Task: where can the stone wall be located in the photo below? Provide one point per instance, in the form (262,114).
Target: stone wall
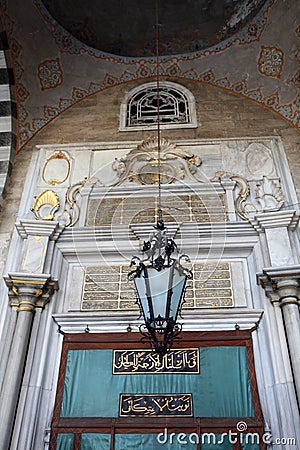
(220,115)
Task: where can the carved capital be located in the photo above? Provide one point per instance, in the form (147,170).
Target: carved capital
(281,284)
(29,291)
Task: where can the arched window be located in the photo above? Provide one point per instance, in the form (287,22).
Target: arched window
(140,107)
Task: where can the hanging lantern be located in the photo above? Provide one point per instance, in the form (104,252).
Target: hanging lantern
(160,282)
(160,279)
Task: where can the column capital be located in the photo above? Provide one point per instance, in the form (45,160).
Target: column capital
(276,219)
(48,228)
(29,291)
(281,284)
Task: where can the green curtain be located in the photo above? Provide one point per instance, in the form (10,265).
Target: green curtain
(215,442)
(249,445)
(95,441)
(147,442)
(65,441)
(222,389)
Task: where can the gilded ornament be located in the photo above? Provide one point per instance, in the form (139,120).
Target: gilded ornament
(56,163)
(45,205)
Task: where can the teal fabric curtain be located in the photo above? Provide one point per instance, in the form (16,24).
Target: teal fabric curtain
(147,442)
(95,441)
(222,389)
(65,441)
(215,442)
(249,445)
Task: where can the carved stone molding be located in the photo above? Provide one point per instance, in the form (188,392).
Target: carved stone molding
(37,234)
(56,169)
(45,205)
(27,227)
(263,221)
(71,213)
(282,287)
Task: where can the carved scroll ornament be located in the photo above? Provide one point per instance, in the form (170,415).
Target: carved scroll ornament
(243,209)
(141,164)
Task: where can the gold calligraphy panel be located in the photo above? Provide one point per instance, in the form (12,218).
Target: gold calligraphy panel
(156,405)
(146,361)
(108,288)
(211,286)
(176,208)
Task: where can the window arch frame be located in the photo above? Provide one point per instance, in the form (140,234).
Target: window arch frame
(189,98)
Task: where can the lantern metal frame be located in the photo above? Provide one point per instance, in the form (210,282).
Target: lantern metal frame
(160,330)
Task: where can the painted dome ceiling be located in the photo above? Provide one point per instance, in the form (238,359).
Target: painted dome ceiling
(126,28)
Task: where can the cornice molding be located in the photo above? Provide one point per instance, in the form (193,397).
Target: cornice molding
(263,221)
(27,227)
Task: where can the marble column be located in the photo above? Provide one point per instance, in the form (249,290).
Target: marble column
(29,289)
(282,285)
(27,292)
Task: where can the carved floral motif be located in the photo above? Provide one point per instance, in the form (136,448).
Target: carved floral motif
(269,195)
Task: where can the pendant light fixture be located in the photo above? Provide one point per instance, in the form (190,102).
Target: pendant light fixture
(160,278)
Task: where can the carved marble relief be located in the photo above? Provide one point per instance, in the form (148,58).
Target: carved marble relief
(247,166)
(251,160)
(269,194)
(259,161)
(141,164)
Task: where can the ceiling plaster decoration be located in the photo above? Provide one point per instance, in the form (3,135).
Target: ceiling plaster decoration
(203,24)
(270,61)
(296,79)
(50,74)
(37,108)
(67,43)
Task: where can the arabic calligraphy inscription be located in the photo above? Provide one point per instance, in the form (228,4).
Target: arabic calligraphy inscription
(146,361)
(156,405)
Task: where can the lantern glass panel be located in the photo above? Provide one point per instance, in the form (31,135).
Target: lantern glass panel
(178,285)
(153,287)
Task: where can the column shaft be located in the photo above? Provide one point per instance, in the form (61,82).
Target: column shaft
(13,376)
(290,310)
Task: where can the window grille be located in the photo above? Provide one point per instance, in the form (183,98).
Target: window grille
(140,108)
